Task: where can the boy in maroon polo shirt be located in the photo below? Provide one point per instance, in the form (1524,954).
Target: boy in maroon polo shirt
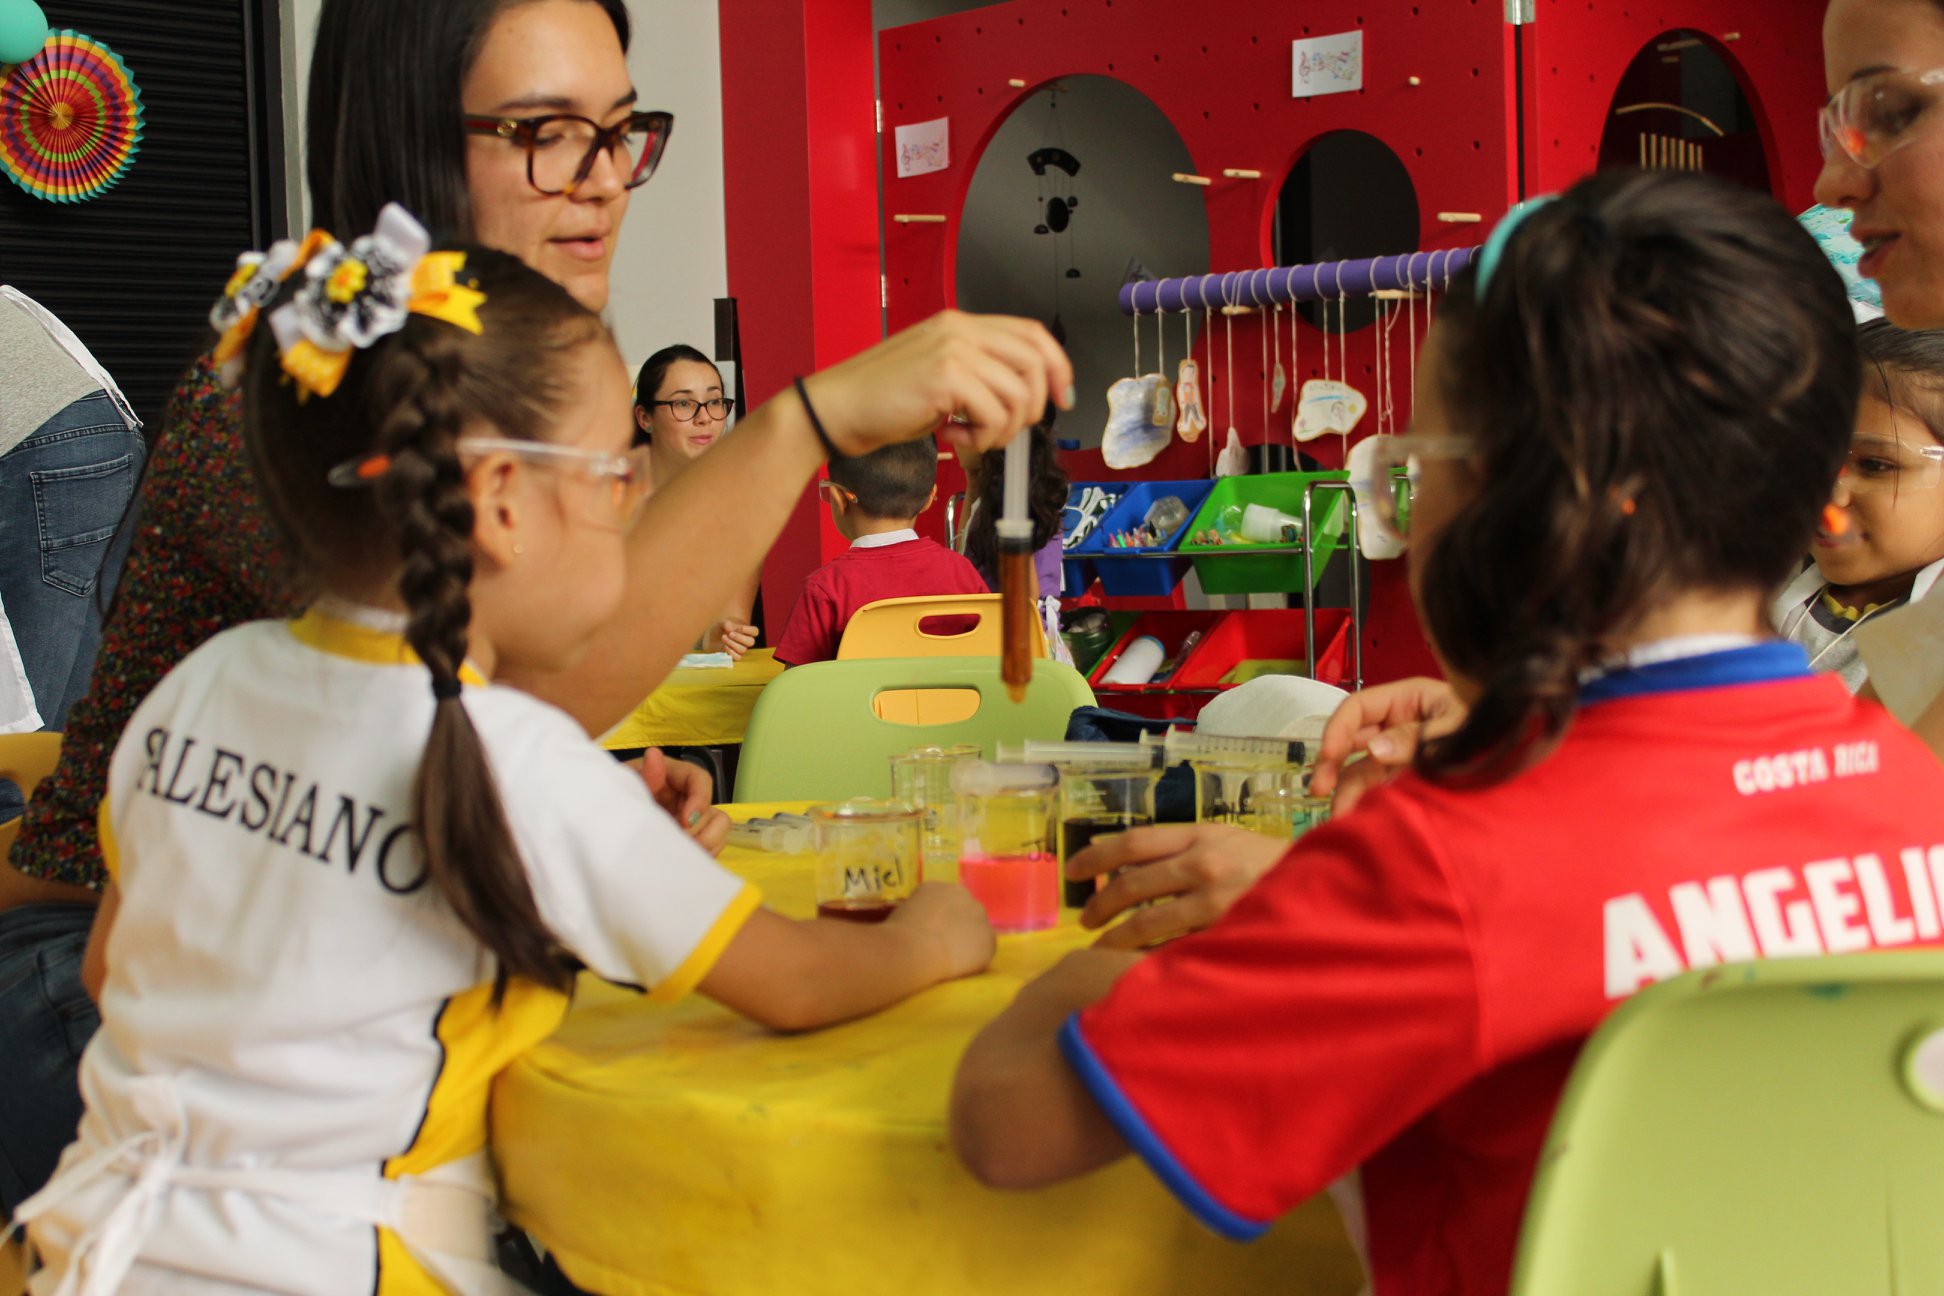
(875,500)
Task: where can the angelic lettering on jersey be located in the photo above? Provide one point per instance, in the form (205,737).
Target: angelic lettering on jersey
(1834,906)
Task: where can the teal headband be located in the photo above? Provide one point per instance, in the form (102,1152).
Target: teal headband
(1494,249)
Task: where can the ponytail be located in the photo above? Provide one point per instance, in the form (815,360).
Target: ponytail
(405,399)
(469,850)
(1661,376)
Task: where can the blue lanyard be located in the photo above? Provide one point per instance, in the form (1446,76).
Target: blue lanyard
(1762,663)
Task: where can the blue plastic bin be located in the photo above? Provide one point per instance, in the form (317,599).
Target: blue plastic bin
(1137,572)
(1088,504)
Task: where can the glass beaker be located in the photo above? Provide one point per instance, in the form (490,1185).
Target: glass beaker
(1273,801)
(867,857)
(1096,801)
(922,778)
(1006,858)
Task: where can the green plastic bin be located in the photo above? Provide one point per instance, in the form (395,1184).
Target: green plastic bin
(1265,569)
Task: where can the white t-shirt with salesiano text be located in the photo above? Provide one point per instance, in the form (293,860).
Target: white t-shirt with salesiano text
(282,963)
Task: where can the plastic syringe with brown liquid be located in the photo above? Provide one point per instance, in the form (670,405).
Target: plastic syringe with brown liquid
(1017,585)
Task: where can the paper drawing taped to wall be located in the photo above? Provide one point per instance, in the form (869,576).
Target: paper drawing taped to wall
(924,147)
(1326,65)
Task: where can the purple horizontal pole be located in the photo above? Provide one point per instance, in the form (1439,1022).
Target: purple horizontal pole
(1272,284)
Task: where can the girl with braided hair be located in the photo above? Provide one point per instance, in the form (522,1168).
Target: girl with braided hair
(359,876)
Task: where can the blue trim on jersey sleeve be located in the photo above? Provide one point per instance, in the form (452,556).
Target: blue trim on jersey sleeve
(1762,663)
(1106,1092)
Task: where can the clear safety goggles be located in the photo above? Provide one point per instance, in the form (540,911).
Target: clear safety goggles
(1875,115)
(1394,467)
(1877,465)
(620,481)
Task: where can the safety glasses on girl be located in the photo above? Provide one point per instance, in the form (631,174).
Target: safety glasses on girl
(620,481)
(561,149)
(1394,467)
(1875,115)
(1877,464)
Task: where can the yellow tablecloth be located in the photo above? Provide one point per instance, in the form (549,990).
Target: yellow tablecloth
(682,1150)
(697,708)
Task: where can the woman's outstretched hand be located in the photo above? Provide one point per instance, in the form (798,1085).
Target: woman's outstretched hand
(976,380)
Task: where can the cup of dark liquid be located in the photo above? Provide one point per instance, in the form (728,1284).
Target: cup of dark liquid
(1096,801)
(868,857)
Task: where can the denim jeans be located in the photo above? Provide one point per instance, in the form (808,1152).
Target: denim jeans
(63,495)
(46,1019)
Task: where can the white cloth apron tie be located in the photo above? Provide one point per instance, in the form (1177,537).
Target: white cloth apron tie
(445,1217)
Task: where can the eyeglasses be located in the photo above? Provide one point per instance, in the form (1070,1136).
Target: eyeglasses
(623,478)
(1876,464)
(685,410)
(830,490)
(561,148)
(1394,469)
(1874,116)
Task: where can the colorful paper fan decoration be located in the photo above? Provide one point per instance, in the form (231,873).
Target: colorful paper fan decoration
(70,119)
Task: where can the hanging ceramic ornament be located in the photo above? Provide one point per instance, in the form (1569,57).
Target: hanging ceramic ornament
(1190,420)
(1279,384)
(1133,437)
(1326,405)
(1234,459)
(1161,412)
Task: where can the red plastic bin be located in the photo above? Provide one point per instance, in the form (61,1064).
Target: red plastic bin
(1268,634)
(1163,700)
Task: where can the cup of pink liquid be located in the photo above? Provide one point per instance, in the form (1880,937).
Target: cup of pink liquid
(1006,853)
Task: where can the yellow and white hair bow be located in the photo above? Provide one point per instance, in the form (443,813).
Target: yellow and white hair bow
(250,288)
(353,296)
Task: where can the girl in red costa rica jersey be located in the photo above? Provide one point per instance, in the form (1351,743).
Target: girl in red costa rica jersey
(1627,425)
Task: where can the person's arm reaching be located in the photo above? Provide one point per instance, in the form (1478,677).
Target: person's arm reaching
(799,974)
(994,371)
(734,633)
(1020,1117)
(1386,723)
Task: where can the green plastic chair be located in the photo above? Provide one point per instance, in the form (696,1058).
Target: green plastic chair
(1760,1129)
(813,735)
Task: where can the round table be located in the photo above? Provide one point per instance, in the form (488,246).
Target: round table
(682,1149)
(698,706)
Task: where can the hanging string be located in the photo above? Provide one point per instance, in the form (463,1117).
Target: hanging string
(1208,335)
(1137,340)
(1295,369)
(1205,374)
(1388,321)
(1323,304)
(1343,356)
(1160,340)
(1411,337)
(1377,382)
(1262,337)
(1228,327)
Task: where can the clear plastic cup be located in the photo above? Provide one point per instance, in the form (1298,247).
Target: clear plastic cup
(922,777)
(1096,801)
(867,857)
(1006,856)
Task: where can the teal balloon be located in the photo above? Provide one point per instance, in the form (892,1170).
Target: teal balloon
(23,30)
